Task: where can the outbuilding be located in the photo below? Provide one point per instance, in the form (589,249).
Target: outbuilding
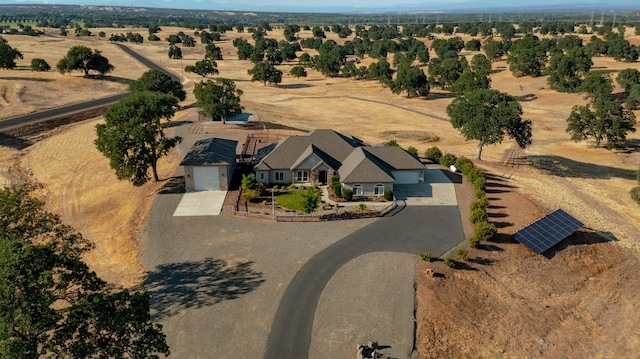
(210,165)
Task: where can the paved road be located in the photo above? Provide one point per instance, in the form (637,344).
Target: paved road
(83,106)
(436,228)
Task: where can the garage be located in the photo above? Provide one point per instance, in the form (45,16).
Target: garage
(206,178)
(209,165)
(406,177)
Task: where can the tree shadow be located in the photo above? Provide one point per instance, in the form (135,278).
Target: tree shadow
(173,185)
(11,141)
(464,266)
(19,78)
(526,98)
(175,124)
(482,261)
(175,287)
(294,86)
(503,238)
(501,224)
(489,248)
(117,79)
(564,167)
(580,238)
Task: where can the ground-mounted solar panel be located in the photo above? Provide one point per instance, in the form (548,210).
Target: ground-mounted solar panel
(547,231)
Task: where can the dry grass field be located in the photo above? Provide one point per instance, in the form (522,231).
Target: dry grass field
(590,183)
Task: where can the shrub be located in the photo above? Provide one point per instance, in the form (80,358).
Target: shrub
(39,65)
(484,230)
(635,194)
(310,200)
(464,165)
(347,194)
(462,253)
(449,262)
(426,256)
(447,159)
(478,215)
(363,207)
(392,143)
(482,204)
(388,195)
(480,194)
(480,183)
(433,154)
(473,242)
(248,181)
(474,174)
(337,190)
(275,187)
(250,195)
(412,150)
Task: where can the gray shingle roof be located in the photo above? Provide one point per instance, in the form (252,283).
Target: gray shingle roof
(211,151)
(396,157)
(363,167)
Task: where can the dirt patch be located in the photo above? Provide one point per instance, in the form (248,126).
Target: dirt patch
(573,302)
(419,136)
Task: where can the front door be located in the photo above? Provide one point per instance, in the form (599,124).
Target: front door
(322,177)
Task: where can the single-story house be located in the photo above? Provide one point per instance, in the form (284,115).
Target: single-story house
(210,165)
(312,159)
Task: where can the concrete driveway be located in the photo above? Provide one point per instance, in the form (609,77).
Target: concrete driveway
(203,203)
(436,190)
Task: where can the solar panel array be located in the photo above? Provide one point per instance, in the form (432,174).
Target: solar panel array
(547,231)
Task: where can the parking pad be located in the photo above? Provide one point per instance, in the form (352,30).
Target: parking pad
(203,203)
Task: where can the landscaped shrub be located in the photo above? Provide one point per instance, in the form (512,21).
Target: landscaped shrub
(464,165)
(310,199)
(433,154)
(473,242)
(478,215)
(250,195)
(248,181)
(447,159)
(484,230)
(482,204)
(479,194)
(462,253)
(480,183)
(388,195)
(412,150)
(635,194)
(426,256)
(337,190)
(449,262)
(363,207)
(347,194)
(474,174)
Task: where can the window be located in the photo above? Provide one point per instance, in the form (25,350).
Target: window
(262,176)
(279,176)
(357,190)
(378,190)
(302,176)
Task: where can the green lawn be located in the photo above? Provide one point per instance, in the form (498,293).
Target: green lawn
(291,200)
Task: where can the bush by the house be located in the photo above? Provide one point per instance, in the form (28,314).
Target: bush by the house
(310,200)
(388,195)
(336,186)
(479,194)
(464,165)
(412,150)
(478,215)
(248,181)
(480,183)
(449,262)
(433,154)
(484,230)
(474,174)
(447,159)
(462,253)
(473,242)
(347,194)
(426,256)
(250,195)
(482,204)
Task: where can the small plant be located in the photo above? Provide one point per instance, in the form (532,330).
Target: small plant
(433,154)
(248,181)
(388,195)
(481,203)
(310,200)
(473,242)
(447,159)
(462,253)
(275,187)
(478,215)
(474,174)
(484,230)
(412,150)
(449,262)
(480,194)
(392,143)
(480,183)
(635,194)
(337,190)
(363,207)
(464,165)
(347,194)
(426,256)
(250,195)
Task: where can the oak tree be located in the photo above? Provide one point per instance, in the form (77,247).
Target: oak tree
(218,98)
(606,121)
(156,81)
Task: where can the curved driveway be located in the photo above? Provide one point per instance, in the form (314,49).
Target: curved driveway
(413,230)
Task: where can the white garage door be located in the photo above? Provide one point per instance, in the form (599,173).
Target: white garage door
(406,177)
(206,178)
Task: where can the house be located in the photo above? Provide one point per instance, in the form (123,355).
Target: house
(210,165)
(312,159)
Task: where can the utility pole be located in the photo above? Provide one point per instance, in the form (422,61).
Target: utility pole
(613,26)
(591,22)
(602,18)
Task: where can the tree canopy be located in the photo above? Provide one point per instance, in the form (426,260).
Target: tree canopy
(265,72)
(410,79)
(218,98)
(203,68)
(566,69)
(133,137)
(606,121)
(8,56)
(487,116)
(52,305)
(157,81)
(83,58)
(526,57)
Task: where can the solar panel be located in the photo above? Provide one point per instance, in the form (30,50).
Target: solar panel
(547,231)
